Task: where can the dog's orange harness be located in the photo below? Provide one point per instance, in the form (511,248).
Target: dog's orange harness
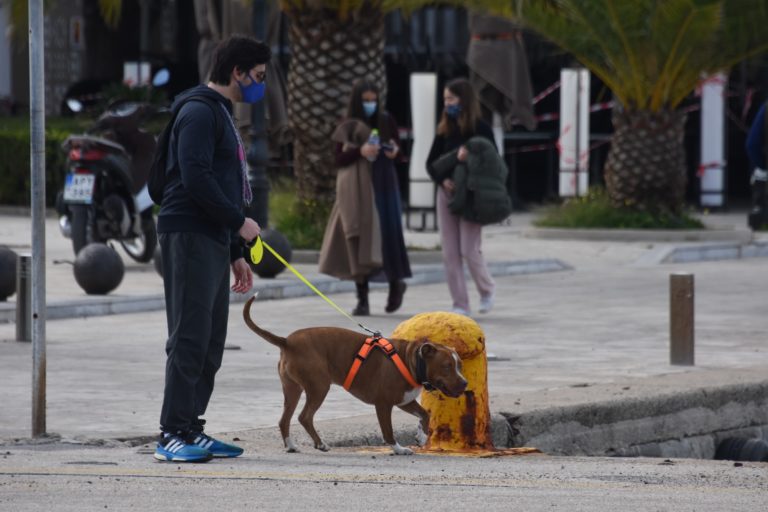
(385,346)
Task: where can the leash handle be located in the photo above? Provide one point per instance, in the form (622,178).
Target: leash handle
(257,250)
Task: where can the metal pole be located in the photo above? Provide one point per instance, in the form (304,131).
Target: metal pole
(258,153)
(37,164)
(24,298)
(681,340)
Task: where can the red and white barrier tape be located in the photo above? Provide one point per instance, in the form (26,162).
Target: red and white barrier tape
(546,92)
(709,165)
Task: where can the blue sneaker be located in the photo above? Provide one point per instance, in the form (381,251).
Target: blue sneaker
(174,449)
(214,446)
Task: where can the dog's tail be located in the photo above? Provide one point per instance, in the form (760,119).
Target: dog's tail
(272,338)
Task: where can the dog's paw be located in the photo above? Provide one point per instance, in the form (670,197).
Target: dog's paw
(400,450)
(421,437)
(322,447)
(290,446)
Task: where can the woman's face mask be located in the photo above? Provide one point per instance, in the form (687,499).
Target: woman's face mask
(453,111)
(253,92)
(369,107)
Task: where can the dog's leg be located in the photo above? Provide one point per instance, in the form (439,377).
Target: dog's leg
(291,395)
(315,393)
(422,434)
(384,413)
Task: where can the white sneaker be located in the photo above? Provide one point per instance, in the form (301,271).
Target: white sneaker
(486,303)
(460,311)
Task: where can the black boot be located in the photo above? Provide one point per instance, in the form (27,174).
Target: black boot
(395,298)
(362,308)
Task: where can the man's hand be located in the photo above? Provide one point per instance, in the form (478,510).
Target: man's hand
(463,153)
(243,276)
(249,230)
(449,186)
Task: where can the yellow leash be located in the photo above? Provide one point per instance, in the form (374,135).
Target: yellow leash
(257,253)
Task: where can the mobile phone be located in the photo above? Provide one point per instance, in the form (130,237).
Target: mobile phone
(387,147)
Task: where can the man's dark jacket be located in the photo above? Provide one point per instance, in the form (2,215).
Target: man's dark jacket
(205,189)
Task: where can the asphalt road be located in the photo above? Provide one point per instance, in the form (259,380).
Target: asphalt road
(72,478)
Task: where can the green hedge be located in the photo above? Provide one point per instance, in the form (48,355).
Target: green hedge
(15,171)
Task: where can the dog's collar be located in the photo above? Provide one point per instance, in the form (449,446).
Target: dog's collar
(421,372)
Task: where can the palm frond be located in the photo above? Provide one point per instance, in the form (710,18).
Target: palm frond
(651,53)
(111,11)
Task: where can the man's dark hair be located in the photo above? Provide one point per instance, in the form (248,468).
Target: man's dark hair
(237,52)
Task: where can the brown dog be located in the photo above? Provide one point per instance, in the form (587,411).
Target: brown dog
(312,359)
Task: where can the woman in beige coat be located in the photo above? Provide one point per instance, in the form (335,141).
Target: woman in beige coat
(364,237)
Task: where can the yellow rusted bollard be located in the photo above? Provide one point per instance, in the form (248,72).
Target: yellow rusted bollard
(456,424)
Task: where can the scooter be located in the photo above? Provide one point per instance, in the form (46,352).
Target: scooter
(105,194)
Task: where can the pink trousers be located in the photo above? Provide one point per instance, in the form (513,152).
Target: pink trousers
(462,241)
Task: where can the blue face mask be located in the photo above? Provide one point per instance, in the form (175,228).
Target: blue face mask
(253,92)
(369,107)
(453,111)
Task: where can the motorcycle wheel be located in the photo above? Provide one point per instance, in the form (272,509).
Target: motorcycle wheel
(142,248)
(82,227)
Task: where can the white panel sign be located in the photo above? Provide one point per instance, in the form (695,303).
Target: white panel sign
(421,192)
(136,73)
(574,132)
(713,140)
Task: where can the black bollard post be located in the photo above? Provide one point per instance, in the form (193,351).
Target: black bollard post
(24,298)
(681,324)
(258,152)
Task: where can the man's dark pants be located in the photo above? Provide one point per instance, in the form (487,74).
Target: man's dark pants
(196,278)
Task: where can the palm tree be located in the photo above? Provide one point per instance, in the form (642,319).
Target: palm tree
(332,45)
(651,54)
(109,10)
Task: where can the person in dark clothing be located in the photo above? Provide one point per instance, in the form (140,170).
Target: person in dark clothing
(202,228)
(756,139)
(364,114)
(757,151)
(460,238)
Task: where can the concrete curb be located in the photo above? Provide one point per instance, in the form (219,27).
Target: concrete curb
(686,424)
(667,425)
(715,252)
(272,289)
(640,235)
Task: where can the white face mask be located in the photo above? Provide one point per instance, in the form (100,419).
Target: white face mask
(369,107)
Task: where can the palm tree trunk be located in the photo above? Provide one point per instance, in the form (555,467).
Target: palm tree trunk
(327,56)
(645,169)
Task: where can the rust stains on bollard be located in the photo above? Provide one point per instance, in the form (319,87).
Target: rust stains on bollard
(681,319)
(456,424)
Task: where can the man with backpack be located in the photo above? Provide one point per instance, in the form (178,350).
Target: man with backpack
(202,231)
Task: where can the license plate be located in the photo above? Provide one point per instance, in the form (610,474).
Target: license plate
(78,188)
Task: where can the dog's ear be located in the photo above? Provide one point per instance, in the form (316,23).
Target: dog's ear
(427,350)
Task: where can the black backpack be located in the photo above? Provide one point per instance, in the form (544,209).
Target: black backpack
(158,174)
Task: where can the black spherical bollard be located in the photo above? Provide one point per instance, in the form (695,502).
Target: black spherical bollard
(269,266)
(8,260)
(158,260)
(98,269)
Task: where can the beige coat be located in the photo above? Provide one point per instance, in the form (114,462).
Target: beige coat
(351,246)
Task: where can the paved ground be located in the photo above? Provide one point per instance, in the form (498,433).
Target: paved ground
(90,479)
(600,328)
(602,322)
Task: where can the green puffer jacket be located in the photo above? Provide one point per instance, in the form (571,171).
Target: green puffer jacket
(482,192)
